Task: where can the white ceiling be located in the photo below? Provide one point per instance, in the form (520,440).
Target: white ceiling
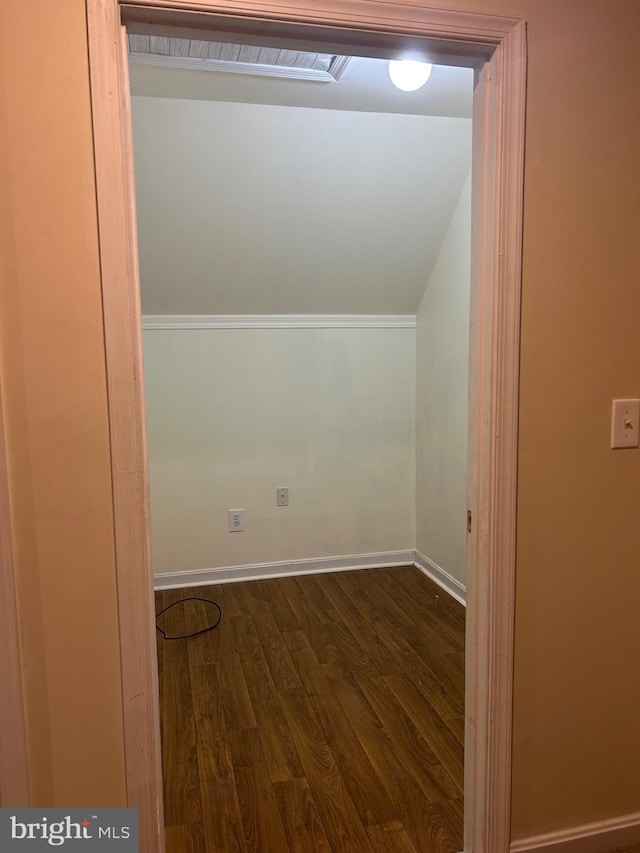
(260,195)
(363,86)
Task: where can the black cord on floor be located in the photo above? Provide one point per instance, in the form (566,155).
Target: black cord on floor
(195,633)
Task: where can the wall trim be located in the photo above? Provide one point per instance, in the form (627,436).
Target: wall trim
(118,250)
(444,580)
(594,837)
(259,571)
(278,321)
(496,46)
(15,787)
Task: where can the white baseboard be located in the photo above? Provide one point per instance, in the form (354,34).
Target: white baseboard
(598,837)
(444,580)
(257,571)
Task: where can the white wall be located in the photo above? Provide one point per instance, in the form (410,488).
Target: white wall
(233,414)
(441,399)
(267,209)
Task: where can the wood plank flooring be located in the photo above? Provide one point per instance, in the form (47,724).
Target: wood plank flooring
(324,714)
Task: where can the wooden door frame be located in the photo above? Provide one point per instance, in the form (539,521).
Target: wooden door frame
(14,769)
(496,47)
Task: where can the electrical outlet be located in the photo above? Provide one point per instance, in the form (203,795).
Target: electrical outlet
(282,496)
(236,520)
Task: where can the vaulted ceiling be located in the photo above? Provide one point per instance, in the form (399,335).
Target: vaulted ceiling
(254,205)
(363,85)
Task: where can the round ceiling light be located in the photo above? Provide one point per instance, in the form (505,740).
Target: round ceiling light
(409,74)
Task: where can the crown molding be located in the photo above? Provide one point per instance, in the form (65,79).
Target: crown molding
(156,322)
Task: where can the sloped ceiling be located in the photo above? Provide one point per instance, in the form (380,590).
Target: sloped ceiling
(252,208)
(364,85)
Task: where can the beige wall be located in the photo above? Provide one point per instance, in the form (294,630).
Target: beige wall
(235,413)
(53,375)
(442,380)
(576,750)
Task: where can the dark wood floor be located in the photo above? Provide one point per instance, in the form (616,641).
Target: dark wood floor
(325,713)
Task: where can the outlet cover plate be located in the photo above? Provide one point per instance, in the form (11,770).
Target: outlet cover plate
(236,520)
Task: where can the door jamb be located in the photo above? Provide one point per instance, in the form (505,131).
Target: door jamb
(14,765)
(499,111)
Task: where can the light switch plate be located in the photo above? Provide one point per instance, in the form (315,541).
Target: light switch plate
(625,418)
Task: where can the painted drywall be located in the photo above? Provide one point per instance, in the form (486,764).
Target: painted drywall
(576,752)
(364,85)
(442,376)
(360,200)
(234,414)
(55,408)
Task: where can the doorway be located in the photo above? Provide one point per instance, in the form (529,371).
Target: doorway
(499,102)
(301,240)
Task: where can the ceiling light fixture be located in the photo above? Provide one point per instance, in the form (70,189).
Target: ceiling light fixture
(409,74)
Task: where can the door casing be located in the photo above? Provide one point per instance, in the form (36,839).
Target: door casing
(496,47)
